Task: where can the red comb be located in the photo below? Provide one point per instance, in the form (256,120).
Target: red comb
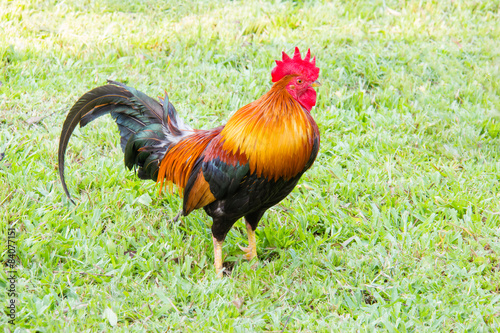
(296,65)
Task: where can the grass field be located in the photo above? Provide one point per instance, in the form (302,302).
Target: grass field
(395,228)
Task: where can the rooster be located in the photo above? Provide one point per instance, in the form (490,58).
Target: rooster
(240,169)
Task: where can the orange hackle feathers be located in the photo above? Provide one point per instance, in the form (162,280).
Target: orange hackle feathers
(178,162)
(216,150)
(274,133)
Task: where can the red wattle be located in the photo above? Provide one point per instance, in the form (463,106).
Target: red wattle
(308,99)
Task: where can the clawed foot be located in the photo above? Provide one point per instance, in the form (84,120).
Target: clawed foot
(250,253)
(251,250)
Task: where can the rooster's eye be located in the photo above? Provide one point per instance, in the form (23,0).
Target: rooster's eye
(299,81)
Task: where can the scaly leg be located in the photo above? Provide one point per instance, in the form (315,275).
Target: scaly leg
(251,250)
(218,256)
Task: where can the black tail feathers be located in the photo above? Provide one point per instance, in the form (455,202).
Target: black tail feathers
(147,127)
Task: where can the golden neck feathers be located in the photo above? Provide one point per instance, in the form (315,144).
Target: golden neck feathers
(274,133)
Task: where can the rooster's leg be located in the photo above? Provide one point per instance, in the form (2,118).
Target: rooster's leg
(218,256)
(251,250)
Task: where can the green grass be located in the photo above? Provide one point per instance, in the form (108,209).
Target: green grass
(395,228)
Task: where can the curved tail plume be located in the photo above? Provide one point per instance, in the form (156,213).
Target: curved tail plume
(147,127)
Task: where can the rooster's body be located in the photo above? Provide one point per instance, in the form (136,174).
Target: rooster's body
(237,170)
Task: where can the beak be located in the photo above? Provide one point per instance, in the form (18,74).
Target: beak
(316,84)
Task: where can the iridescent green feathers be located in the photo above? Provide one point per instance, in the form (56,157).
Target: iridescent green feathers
(144,125)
